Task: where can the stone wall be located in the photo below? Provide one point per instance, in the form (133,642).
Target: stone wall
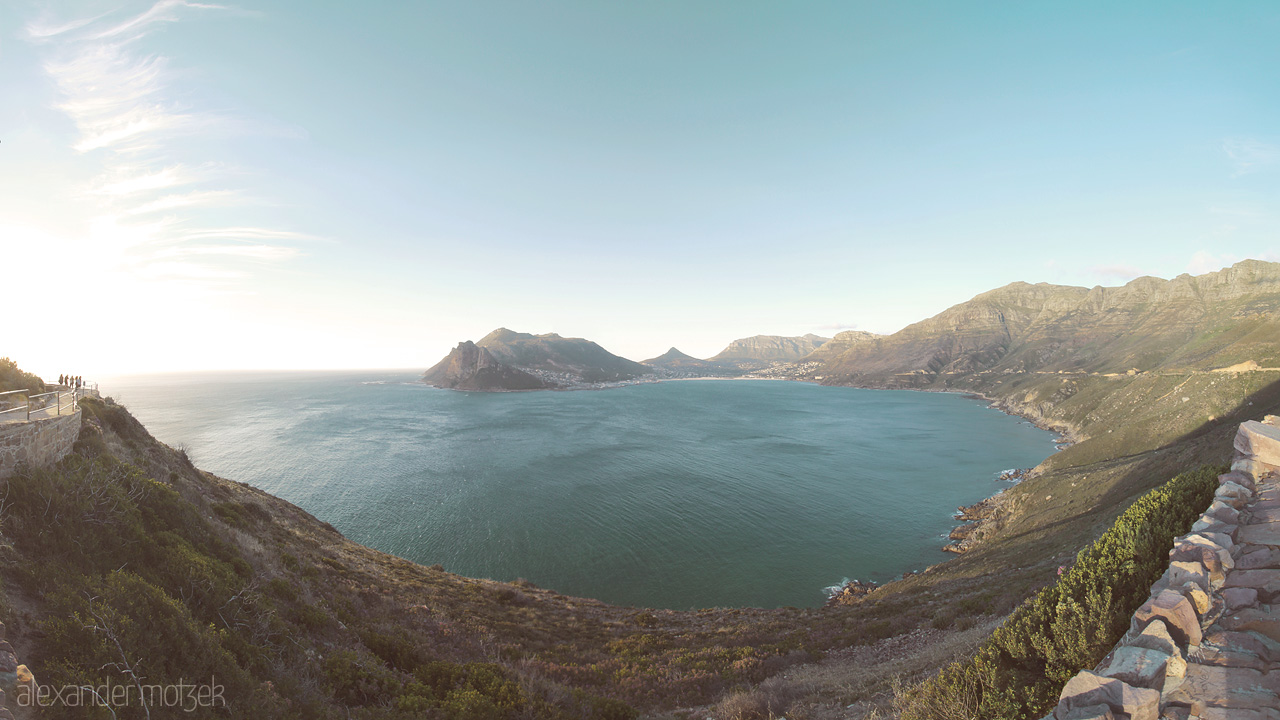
(1206,645)
(38,443)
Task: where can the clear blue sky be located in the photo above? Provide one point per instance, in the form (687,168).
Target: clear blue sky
(290,183)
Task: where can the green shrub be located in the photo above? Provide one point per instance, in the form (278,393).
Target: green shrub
(1018,673)
(471,690)
(357,681)
(394,649)
(13,378)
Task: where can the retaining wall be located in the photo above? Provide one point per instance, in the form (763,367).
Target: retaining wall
(1206,645)
(38,443)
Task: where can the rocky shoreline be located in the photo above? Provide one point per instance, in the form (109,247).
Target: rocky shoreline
(974,519)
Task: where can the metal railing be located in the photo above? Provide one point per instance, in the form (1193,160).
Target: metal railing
(57,400)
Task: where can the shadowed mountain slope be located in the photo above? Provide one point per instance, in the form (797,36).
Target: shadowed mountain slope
(470,367)
(551,353)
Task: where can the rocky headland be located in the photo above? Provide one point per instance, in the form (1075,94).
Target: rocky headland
(509,360)
(471,367)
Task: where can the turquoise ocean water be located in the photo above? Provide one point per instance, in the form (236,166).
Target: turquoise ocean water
(681,494)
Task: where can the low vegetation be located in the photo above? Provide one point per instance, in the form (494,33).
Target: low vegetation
(13,378)
(1072,624)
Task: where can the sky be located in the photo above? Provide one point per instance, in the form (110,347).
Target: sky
(302,184)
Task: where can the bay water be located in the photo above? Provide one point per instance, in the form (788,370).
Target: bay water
(683,494)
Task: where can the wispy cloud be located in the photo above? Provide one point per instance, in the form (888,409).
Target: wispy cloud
(127,180)
(1249,155)
(838,326)
(247,233)
(163,11)
(177,201)
(153,200)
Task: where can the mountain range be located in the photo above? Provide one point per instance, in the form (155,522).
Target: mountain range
(1215,320)
(770,347)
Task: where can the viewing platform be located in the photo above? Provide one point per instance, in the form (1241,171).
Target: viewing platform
(38,429)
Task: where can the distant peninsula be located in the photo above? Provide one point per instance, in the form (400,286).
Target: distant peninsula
(506,360)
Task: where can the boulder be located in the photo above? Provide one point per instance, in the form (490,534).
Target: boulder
(1222,551)
(1229,487)
(1208,524)
(1258,441)
(1199,598)
(1191,552)
(1182,571)
(1155,636)
(1214,713)
(1267,533)
(1248,642)
(1225,687)
(1253,620)
(1088,689)
(1140,667)
(1218,539)
(1177,613)
(1266,582)
(1092,712)
(1258,557)
(1254,468)
(1239,597)
(1223,512)
(1237,478)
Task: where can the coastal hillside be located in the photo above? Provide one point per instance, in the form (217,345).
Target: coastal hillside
(1130,369)
(769,348)
(842,342)
(1211,321)
(509,360)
